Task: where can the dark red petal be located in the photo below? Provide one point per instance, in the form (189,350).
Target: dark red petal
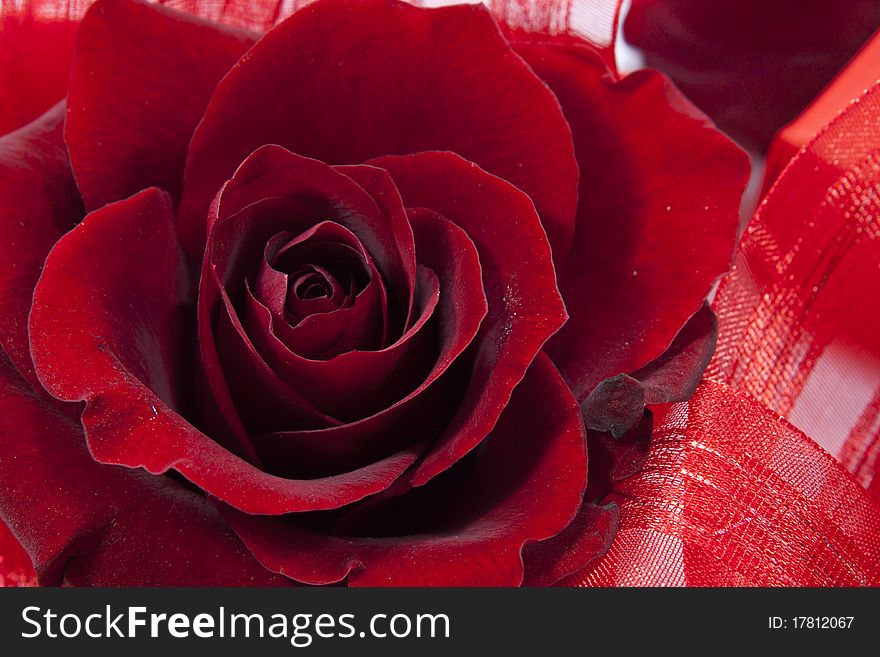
(393,79)
(239,240)
(524,305)
(326,265)
(379,185)
(238,233)
(38,204)
(270,285)
(261,397)
(659,199)
(141,78)
(314,291)
(613,459)
(525,485)
(103,331)
(329,331)
(751,65)
(461,307)
(617,403)
(587,537)
(89,524)
(675,375)
(35,54)
(16,568)
(114,284)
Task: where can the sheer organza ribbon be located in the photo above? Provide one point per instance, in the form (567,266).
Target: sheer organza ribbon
(769,475)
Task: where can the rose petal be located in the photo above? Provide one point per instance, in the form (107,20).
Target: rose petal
(262,399)
(614,459)
(327,257)
(381,188)
(104,332)
(675,375)
(141,78)
(34,61)
(587,537)
(525,485)
(659,198)
(236,240)
(353,316)
(327,333)
(233,250)
(524,305)
(39,203)
(617,403)
(270,285)
(88,524)
(16,568)
(394,79)
(237,234)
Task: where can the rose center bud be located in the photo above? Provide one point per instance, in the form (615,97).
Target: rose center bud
(320,290)
(312,285)
(322,275)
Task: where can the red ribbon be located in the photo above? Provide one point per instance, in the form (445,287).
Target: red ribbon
(770,475)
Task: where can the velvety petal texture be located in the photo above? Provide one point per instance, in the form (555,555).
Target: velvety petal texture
(616,405)
(517,266)
(465,531)
(614,459)
(657,216)
(586,537)
(16,568)
(111,338)
(38,204)
(83,523)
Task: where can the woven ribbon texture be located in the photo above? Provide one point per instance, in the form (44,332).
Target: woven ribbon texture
(769,475)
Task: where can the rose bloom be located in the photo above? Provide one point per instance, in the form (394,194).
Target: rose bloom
(378,297)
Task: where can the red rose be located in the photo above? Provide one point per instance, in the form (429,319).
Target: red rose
(340,302)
